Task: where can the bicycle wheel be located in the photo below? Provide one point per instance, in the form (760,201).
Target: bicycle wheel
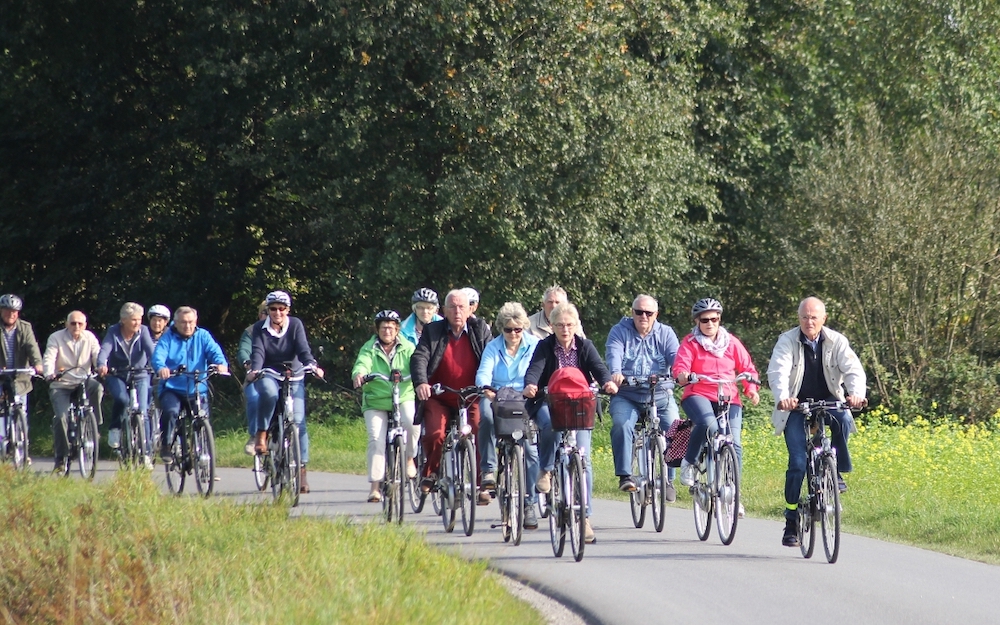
(18,439)
(203,456)
(659,482)
(829,510)
(138,439)
(518,493)
(393,483)
(260,473)
(576,498)
(124,451)
(637,498)
(557,519)
(293,463)
(807,513)
(446,491)
(701,497)
(417,497)
(87,455)
(505,490)
(727,473)
(467,490)
(153,433)
(176,475)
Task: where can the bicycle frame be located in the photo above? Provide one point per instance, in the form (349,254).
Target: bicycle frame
(15,417)
(134,442)
(394,481)
(458,485)
(192,426)
(283,460)
(822,499)
(648,446)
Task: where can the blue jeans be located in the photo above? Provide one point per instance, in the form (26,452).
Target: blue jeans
(624,415)
(120,400)
(795,441)
(171,403)
(268,390)
(548,440)
(702,414)
(252,396)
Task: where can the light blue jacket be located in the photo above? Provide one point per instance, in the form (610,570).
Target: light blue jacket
(498,369)
(195,352)
(409,327)
(629,354)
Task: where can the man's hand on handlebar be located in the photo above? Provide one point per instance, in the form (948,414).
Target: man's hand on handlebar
(790,403)
(856,402)
(423,391)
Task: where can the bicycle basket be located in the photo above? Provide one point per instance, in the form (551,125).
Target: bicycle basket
(572,411)
(678,435)
(509,413)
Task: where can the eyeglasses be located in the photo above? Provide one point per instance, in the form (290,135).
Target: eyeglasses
(643,313)
(565,326)
(277,308)
(709,320)
(514,330)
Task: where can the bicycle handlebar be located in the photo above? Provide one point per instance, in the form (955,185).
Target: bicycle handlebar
(810,405)
(694,378)
(651,380)
(467,393)
(13,372)
(393,377)
(212,370)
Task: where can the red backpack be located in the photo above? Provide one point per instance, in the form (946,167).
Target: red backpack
(572,405)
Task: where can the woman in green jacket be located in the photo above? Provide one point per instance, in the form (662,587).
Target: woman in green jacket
(381,354)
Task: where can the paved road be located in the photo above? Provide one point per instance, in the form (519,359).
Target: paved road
(636,575)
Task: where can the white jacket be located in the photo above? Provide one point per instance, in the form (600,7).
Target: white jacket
(841,366)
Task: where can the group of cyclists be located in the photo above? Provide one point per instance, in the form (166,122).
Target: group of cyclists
(457,350)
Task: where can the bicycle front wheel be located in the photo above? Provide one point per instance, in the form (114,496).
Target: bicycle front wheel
(417,497)
(728,494)
(447,490)
(19,439)
(260,471)
(829,509)
(504,491)
(139,439)
(176,475)
(701,496)
(518,494)
(87,454)
(557,507)
(658,471)
(637,498)
(576,498)
(392,484)
(467,484)
(807,511)
(293,463)
(203,456)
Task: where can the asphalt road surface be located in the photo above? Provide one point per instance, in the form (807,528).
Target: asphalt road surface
(639,576)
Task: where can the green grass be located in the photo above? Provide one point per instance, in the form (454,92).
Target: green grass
(122,551)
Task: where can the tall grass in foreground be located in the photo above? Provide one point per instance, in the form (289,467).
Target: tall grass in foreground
(124,552)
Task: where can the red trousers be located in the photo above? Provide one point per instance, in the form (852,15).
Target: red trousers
(436,416)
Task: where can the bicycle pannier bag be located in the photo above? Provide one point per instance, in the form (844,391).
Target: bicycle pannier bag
(509,413)
(572,404)
(678,435)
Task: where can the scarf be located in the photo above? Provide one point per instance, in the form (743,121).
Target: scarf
(717,347)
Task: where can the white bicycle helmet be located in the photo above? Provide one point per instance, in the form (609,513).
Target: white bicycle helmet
(158,310)
(424,295)
(704,305)
(278,297)
(11,301)
(472,294)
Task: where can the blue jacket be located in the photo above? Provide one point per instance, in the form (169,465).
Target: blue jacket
(498,369)
(629,354)
(195,352)
(114,356)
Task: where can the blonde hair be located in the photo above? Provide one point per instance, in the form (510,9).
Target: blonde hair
(511,311)
(562,311)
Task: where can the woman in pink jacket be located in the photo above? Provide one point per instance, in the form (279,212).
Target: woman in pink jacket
(710,350)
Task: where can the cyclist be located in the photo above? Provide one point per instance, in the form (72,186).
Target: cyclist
(249,390)
(159,318)
(812,362)
(425,308)
(449,352)
(710,350)
(183,344)
(540,326)
(279,339)
(563,349)
(19,349)
(382,353)
(73,350)
(126,344)
(639,346)
(505,361)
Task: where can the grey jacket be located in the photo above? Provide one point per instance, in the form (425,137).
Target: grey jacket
(26,354)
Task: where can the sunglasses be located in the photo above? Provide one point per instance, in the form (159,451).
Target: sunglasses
(643,313)
(709,320)
(514,330)
(277,308)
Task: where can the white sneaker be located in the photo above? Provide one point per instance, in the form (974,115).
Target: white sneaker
(742,512)
(687,473)
(114,438)
(248,449)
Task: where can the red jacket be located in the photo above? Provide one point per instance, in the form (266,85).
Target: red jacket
(693,358)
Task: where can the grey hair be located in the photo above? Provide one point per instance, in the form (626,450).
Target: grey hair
(76,312)
(184,310)
(555,288)
(455,293)
(635,302)
(131,309)
(566,309)
(511,311)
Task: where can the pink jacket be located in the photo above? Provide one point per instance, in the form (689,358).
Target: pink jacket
(693,358)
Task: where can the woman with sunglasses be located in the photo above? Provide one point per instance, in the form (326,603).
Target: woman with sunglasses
(710,350)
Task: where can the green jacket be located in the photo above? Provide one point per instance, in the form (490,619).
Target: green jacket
(26,354)
(378,393)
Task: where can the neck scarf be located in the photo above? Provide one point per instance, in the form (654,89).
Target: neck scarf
(717,347)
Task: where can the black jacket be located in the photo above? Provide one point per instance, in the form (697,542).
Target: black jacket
(430,350)
(544,363)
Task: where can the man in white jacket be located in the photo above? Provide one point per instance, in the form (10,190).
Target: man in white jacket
(812,362)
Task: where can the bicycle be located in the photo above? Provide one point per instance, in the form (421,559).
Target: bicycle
(511,491)
(81,429)
(15,418)
(567,497)
(134,448)
(717,469)
(192,445)
(395,479)
(457,487)
(281,464)
(416,495)
(648,467)
(821,495)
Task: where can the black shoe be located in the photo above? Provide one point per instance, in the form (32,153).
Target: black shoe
(841,484)
(791,536)
(166,455)
(626,483)
(427,484)
(670,492)
(530,520)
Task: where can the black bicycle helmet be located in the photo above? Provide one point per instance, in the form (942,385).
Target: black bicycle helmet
(704,305)
(386,315)
(11,301)
(424,295)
